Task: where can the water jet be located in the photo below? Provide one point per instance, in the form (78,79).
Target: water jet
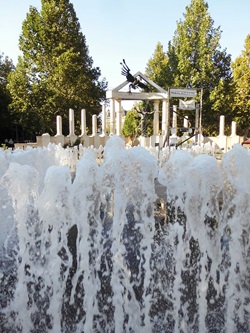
(92,254)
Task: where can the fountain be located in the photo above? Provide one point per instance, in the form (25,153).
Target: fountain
(93,253)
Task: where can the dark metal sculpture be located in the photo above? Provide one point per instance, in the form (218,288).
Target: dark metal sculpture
(144,113)
(135,82)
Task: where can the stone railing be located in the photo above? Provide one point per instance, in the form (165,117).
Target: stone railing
(96,139)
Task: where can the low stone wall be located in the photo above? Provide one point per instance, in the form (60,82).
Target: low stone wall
(221,142)
(225,143)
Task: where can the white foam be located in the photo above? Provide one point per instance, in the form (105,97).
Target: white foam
(124,272)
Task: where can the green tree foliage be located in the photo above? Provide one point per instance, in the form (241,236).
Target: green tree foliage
(6,119)
(131,124)
(55,72)
(195,60)
(157,68)
(241,75)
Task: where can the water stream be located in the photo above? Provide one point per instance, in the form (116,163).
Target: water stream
(97,253)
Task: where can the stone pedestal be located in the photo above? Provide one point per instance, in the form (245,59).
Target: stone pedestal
(71,139)
(59,139)
(144,142)
(84,140)
(45,139)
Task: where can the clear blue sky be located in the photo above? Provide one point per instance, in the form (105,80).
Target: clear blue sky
(129,29)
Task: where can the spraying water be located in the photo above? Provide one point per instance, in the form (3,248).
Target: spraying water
(95,253)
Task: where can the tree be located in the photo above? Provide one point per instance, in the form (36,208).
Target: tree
(6,119)
(157,68)
(55,72)
(195,60)
(241,76)
(131,124)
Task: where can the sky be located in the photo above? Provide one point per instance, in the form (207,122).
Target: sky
(129,30)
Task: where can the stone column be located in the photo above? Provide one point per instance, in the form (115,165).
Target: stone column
(83,122)
(59,138)
(222,125)
(71,122)
(164,117)
(95,138)
(58,125)
(83,137)
(94,125)
(185,122)
(174,121)
(104,119)
(112,117)
(223,141)
(233,128)
(72,137)
(156,118)
(165,122)
(233,138)
(119,118)
(197,123)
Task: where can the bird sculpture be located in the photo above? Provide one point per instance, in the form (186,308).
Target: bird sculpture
(134,81)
